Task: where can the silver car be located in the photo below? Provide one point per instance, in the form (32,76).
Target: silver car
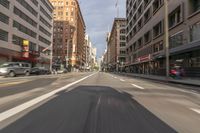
(15,68)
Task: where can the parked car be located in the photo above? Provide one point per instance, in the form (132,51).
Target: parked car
(15,68)
(62,71)
(39,71)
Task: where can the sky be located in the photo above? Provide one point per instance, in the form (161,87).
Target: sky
(99,16)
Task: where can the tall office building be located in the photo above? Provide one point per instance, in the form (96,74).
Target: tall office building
(117,45)
(145,36)
(26,23)
(69,34)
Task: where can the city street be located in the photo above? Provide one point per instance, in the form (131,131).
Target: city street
(96,103)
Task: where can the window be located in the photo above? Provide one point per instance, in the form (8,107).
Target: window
(3,35)
(24,17)
(147,37)
(140,11)
(42,39)
(146,2)
(44,31)
(35,2)
(5,3)
(195,32)
(28,7)
(123,31)
(47,5)
(140,24)
(24,29)
(122,52)
(4,18)
(175,17)
(158,47)
(72,13)
(158,29)
(176,40)
(45,13)
(140,43)
(45,22)
(122,44)
(32,46)
(147,15)
(194,5)
(122,38)
(157,4)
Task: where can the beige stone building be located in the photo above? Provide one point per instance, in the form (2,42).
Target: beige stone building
(69,34)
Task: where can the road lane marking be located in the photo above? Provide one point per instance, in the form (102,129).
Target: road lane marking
(137,86)
(12,83)
(115,77)
(195,110)
(122,80)
(11,112)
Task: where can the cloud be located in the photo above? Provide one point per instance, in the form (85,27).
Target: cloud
(99,16)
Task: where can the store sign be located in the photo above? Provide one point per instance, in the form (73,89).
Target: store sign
(25,49)
(144,58)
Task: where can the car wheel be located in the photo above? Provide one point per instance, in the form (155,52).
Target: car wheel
(11,74)
(27,73)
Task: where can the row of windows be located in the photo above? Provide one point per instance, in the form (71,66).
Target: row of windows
(5,3)
(175,17)
(147,15)
(24,17)
(44,31)
(24,29)
(61,3)
(47,5)
(4,18)
(45,13)
(42,39)
(174,40)
(3,35)
(35,2)
(45,22)
(28,7)
(157,31)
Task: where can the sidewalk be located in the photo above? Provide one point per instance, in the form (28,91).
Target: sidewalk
(185,81)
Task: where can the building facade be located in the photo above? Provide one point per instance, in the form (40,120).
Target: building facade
(29,21)
(117,45)
(145,36)
(69,34)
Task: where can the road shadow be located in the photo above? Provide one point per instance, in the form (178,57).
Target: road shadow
(90,109)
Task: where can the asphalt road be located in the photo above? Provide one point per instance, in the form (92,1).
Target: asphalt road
(107,103)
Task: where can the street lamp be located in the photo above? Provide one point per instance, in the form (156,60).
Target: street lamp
(166,39)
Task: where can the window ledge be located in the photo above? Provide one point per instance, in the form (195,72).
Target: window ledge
(193,14)
(175,25)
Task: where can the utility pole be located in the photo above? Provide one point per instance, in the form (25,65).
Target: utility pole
(166,39)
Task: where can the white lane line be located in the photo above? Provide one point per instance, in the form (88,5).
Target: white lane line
(115,77)
(122,80)
(11,112)
(137,86)
(195,110)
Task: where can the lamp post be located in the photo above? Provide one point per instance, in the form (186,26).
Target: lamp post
(166,38)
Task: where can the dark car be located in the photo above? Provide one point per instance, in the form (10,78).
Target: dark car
(39,71)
